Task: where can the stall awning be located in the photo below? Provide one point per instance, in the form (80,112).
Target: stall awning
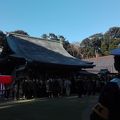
(6,79)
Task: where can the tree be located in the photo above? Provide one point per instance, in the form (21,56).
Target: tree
(44,36)
(66,44)
(101,43)
(2,37)
(20,32)
(52,36)
(61,38)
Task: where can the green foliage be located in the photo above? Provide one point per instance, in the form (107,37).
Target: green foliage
(101,44)
(2,37)
(52,36)
(20,32)
(70,48)
(44,36)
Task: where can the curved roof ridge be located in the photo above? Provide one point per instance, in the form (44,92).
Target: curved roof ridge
(37,38)
(56,46)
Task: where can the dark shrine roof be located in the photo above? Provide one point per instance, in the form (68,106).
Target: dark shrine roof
(43,51)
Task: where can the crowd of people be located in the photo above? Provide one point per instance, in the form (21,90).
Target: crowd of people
(51,88)
(108,102)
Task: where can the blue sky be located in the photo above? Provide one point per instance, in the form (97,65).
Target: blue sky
(74,19)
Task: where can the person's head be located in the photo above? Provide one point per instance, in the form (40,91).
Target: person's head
(116,81)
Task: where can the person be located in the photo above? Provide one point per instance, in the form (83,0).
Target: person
(49,88)
(2,90)
(108,106)
(80,87)
(67,86)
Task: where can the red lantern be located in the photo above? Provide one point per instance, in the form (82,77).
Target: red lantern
(6,79)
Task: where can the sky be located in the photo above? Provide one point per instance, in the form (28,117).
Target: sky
(74,19)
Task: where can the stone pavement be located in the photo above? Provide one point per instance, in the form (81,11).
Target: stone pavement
(85,114)
(87,111)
